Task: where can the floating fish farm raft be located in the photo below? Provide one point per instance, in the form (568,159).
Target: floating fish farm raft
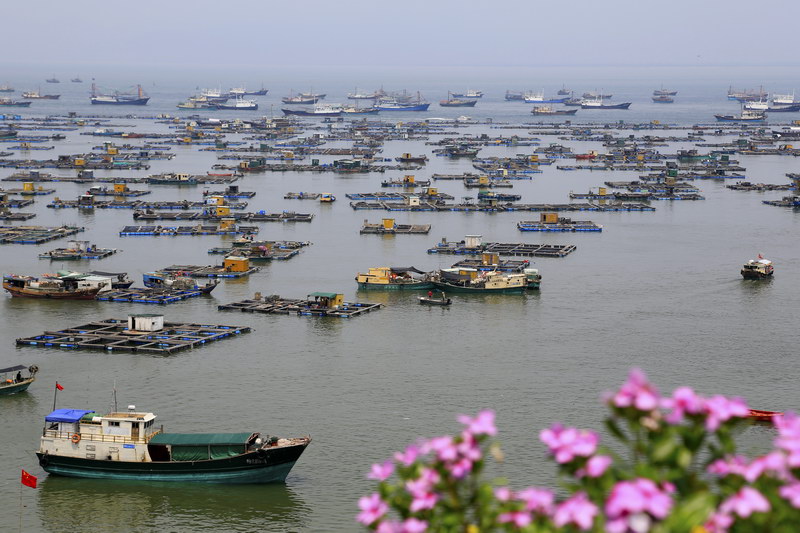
(73,254)
(503,248)
(16,216)
(388,227)
(113,335)
(35,234)
(207,271)
(148,296)
(274,304)
(183,230)
(561,224)
(135,204)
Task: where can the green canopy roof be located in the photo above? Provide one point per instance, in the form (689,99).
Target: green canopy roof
(202,439)
(324,294)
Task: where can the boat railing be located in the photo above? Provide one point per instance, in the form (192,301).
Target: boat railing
(99,437)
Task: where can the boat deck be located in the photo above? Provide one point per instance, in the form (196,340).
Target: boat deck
(504,248)
(397,229)
(206,271)
(65,254)
(563,224)
(113,335)
(16,216)
(260,216)
(276,305)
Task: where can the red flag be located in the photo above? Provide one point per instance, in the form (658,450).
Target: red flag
(760,256)
(28,480)
(59,387)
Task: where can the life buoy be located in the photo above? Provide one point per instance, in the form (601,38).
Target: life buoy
(76,438)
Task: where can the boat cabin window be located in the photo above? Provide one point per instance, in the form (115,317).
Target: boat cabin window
(113,424)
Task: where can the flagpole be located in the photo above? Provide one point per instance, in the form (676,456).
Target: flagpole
(55,394)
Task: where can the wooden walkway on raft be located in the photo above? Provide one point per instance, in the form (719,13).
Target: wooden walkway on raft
(16,216)
(504,248)
(137,204)
(148,296)
(113,335)
(35,234)
(281,306)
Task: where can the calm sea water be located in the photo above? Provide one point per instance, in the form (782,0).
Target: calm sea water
(660,291)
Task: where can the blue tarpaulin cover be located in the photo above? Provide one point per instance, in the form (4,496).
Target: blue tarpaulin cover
(66,415)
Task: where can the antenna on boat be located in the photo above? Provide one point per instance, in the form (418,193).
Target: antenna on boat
(115,395)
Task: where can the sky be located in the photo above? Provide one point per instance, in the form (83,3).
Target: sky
(404,34)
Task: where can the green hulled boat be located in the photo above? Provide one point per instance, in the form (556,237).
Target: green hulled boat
(394,278)
(13,381)
(128,446)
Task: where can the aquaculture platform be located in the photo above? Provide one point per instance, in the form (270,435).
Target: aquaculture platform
(137,204)
(394,229)
(185,230)
(207,271)
(148,296)
(7,215)
(503,248)
(74,254)
(113,335)
(506,265)
(274,304)
(562,224)
(35,234)
(286,216)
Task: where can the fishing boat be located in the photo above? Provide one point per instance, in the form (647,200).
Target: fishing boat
(472,280)
(746,95)
(76,79)
(394,278)
(757,268)
(37,95)
(52,288)
(12,383)
(785,108)
(158,280)
(760,415)
(597,103)
(469,94)
(5,88)
(664,92)
(190,104)
(53,80)
(119,280)
(515,96)
(563,91)
(319,110)
(747,115)
(402,102)
(457,102)
(128,446)
(539,98)
(573,102)
(240,104)
(241,91)
(355,95)
(595,95)
(408,158)
(430,300)
(172,178)
(663,99)
(549,110)
(119,98)
(355,110)
(783,99)
(299,99)
(756,105)
(8,102)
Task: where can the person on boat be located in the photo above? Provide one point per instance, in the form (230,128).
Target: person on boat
(443,296)
(430,294)
(19,377)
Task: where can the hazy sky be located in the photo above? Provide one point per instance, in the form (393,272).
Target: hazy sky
(403,33)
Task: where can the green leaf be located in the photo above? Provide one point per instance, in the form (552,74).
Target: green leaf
(615,430)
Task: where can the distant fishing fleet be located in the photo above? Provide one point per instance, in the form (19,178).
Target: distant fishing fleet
(755,104)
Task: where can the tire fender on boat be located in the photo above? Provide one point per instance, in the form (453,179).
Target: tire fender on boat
(43,462)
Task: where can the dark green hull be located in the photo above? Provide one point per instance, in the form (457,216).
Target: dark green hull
(422,285)
(262,466)
(15,387)
(448,288)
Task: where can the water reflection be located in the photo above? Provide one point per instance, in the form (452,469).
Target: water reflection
(69,504)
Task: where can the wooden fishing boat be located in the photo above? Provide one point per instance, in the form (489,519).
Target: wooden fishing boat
(424,300)
(471,280)
(52,288)
(394,278)
(408,158)
(129,446)
(757,268)
(12,384)
(762,415)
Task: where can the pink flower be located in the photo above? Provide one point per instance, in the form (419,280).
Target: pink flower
(372,508)
(483,424)
(745,502)
(683,401)
(537,500)
(567,443)
(640,495)
(788,439)
(719,523)
(469,448)
(444,447)
(720,409)
(518,518)
(503,494)
(597,465)
(408,456)
(636,392)
(414,525)
(577,510)
(389,526)
(423,501)
(729,465)
(381,472)
(460,468)
(424,483)
(738,465)
(791,493)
